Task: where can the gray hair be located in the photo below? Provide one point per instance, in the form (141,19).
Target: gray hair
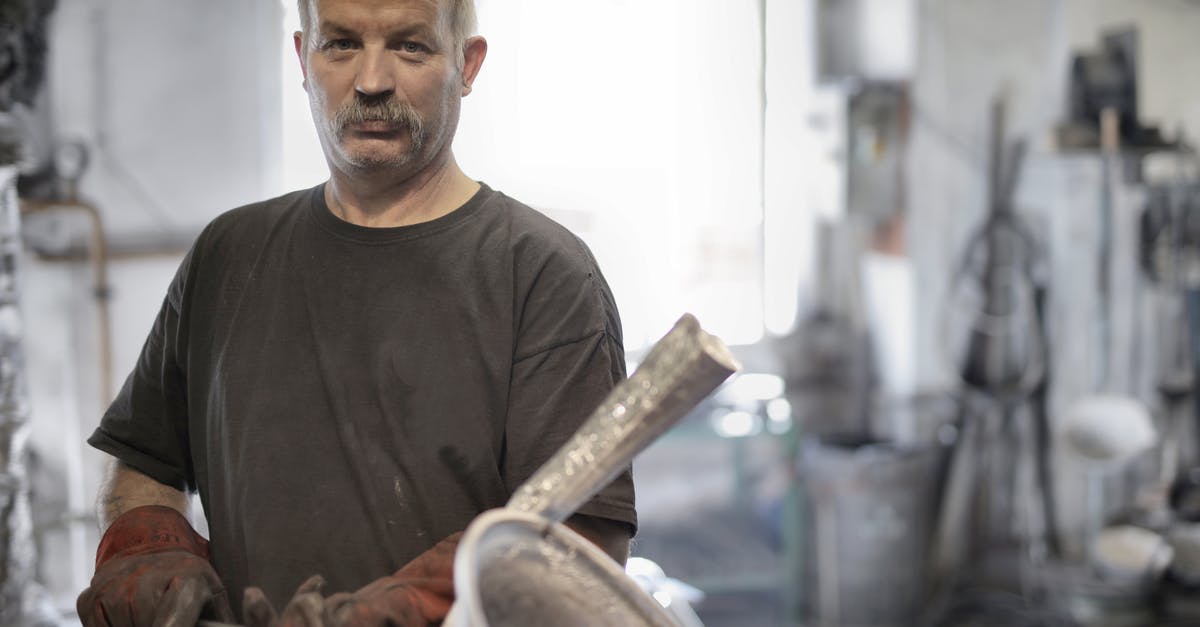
(462,20)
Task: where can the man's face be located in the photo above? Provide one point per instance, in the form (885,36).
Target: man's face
(385,82)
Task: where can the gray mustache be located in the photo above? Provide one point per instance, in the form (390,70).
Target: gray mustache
(389,111)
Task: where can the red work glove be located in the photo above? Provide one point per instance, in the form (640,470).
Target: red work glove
(152,570)
(306,609)
(418,595)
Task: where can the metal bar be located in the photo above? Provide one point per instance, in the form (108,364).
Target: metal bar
(685,366)
(682,368)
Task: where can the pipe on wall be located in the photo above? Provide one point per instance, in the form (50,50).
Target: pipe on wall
(101,288)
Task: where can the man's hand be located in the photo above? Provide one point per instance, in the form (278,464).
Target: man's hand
(306,609)
(419,594)
(152,570)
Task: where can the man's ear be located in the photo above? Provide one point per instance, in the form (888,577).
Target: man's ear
(474,50)
(298,39)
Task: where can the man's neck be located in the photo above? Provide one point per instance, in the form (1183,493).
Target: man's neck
(385,202)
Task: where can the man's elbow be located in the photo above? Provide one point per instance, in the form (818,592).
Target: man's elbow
(611,536)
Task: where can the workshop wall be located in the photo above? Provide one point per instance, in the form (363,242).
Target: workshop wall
(178,101)
(968,52)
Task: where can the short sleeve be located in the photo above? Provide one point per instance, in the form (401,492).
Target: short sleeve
(568,357)
(146,426)
(553,392)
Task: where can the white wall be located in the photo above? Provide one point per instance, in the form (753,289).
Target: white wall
(178,102)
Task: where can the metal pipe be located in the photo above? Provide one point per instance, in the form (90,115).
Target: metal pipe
(101,291)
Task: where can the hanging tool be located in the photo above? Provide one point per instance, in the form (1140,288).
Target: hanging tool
(1001,296)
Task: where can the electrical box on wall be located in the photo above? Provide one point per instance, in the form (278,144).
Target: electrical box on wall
(877,120)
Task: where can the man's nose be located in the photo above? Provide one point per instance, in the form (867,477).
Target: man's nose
(375,74)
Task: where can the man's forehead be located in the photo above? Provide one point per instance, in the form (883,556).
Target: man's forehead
(424,10)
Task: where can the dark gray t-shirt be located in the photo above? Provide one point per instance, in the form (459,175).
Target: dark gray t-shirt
(344,397)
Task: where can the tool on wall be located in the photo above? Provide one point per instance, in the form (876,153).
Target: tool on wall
(997,313)
(1170,258)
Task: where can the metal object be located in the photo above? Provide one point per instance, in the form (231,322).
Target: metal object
(682,368)
(514,568)
(1175,315)
(1169,238)
(996,289)
(1042,433)
(1170,259)
(826,359)
(685,366)
(872,520)
(997,316)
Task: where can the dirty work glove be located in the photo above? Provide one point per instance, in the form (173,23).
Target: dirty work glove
(306,609)
(417,595)
(152,570)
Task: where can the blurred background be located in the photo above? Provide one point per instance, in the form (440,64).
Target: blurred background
(956,244)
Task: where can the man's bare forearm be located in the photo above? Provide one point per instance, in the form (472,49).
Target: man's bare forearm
(125,488)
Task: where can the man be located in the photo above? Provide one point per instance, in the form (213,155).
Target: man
(349,374)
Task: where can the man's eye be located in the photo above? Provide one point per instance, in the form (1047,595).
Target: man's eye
(339,44)
(412,47)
